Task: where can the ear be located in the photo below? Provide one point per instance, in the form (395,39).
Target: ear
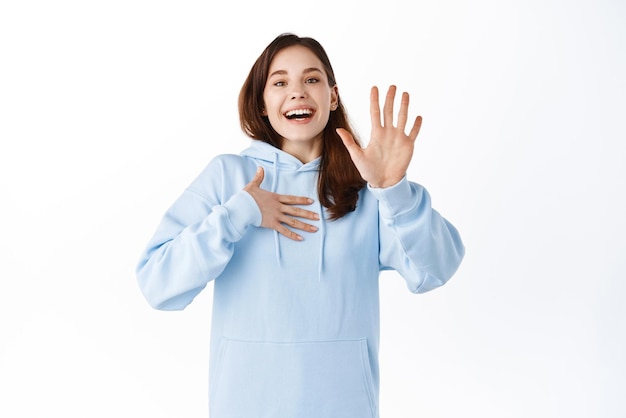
(334,98)
(263,112)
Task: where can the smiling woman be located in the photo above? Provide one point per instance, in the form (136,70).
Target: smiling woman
(339,181)
(298,99)
(295,328)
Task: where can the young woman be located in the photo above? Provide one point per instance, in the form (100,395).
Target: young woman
(294,232)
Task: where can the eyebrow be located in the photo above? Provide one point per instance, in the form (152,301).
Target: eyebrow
(305,71)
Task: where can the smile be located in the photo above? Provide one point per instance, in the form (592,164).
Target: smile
(299,114)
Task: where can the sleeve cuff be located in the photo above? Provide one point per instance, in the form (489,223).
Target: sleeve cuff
(395,199)
(243,211)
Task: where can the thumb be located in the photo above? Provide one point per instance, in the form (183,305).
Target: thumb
(257,180)
(349,142)
(258,177)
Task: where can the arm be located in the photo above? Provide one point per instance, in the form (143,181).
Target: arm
(191,246)
(415,239)
(196,238)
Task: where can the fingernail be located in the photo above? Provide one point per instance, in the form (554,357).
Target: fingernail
(313,228)
(309,200)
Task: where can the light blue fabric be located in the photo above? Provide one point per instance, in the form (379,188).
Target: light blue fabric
(295,327)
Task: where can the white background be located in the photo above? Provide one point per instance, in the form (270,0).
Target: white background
(108,110)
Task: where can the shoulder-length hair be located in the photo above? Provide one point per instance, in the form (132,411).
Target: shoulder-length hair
(339,181)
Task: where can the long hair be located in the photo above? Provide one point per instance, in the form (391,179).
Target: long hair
(339,181)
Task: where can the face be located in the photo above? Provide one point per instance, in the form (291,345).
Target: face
(297,97)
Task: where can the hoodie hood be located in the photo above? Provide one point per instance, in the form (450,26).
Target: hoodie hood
(281,164)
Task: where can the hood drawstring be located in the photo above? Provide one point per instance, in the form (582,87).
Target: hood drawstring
(322,228)
(274,188)
(322,232)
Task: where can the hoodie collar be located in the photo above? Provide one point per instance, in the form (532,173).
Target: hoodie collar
(283,161)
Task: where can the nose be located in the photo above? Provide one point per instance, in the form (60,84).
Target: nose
(297,95)
(298,91)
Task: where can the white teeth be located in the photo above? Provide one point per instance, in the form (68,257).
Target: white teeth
(298,112)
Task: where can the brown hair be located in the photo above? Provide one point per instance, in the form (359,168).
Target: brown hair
(339,181)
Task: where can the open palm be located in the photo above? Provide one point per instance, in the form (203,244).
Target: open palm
(385,159)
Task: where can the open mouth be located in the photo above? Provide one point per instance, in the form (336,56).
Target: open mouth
(299,114)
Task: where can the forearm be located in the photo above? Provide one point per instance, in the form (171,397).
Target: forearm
(185,253)
(416,240)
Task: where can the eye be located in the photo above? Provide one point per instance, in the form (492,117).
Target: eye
(312,80)
(279,83)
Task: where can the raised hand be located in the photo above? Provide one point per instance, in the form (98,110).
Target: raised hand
(385,159)
(278,210)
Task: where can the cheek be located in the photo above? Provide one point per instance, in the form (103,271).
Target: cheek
(324,119)
(271,104)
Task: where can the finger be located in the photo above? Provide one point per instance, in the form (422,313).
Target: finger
(354,149)
(300,213)
(294,200)
(404,111)
(283,230)
(416,128)
(295,223)
(388,107)
(374,108)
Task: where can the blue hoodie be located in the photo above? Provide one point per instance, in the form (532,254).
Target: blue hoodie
(295,324)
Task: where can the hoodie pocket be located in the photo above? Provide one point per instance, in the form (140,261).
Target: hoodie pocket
(321,379)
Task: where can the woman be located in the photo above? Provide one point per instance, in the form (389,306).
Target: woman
(294,232)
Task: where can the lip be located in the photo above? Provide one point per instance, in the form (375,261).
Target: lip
(303,107)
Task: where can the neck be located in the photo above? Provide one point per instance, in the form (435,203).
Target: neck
(305,152)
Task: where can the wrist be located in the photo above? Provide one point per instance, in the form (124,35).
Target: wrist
(384,183)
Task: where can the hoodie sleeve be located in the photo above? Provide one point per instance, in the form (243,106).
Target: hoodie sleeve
(415,239)
(194,241)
